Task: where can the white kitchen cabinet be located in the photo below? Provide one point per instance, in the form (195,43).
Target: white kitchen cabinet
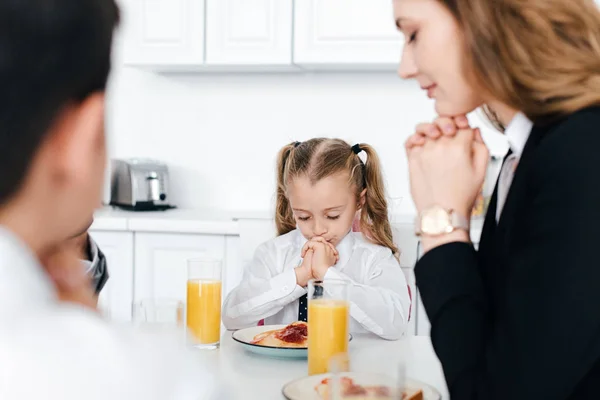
(422,321)
(117,295)
(163,33)
(351,33)
(407,242)
(410,279)
(249,32)
(233,269)
(161,262)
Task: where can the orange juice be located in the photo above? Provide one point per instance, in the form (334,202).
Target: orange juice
(327,332)
(204,310)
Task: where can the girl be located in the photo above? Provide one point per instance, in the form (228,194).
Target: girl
(502,316)
(321,185)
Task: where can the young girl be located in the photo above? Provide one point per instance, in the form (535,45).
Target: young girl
(322,184)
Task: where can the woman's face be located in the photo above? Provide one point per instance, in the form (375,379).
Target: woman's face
(433,55)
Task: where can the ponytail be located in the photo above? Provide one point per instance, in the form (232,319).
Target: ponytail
(284,217)
(374,221)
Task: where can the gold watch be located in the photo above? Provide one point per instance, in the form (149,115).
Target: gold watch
(437,221)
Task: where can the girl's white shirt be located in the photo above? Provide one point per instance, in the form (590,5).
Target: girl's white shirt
(378,292)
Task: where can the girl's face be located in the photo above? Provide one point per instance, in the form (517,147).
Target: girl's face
(434,55)
(326,208)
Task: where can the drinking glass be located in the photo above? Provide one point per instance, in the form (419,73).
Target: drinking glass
(328,322)
(204,302)
(366,374)
(158,314)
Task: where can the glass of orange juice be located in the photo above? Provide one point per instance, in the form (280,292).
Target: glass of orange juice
(204,302)
(328,323)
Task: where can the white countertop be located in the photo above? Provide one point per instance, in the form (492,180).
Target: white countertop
(250,376)
(176,221)
(200,221)
(204,221)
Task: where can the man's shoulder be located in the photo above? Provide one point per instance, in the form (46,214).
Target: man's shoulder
(66,346)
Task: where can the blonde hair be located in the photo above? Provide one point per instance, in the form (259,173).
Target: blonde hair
(541,57)
(319,158)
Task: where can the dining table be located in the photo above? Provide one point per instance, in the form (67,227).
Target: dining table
(251,376)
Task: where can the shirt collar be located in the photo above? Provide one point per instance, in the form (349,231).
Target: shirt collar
(91,265)
(22,278)
(517,132)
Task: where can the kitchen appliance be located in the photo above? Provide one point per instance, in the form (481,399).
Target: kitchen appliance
(139,184)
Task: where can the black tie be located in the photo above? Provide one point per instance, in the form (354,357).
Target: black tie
(493,204)
(303,308)
(303,304)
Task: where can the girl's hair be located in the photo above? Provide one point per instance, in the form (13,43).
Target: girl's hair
(319,158)
(541,57)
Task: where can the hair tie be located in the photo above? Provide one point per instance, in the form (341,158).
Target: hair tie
(297,144)
(357,149)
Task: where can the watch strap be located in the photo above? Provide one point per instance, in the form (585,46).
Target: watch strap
(457,221)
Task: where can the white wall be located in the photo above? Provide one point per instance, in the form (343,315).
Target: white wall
(220,134)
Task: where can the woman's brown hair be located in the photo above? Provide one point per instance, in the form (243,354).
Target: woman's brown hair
(541,57)
(319,158)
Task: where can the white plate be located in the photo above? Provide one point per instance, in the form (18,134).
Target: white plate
(304,388)
(245,337)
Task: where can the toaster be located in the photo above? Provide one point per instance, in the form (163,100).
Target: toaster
(139,184)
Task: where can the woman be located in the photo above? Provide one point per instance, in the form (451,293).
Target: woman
(520,317)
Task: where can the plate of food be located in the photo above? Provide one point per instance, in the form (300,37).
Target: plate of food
(289,341)
(357,386)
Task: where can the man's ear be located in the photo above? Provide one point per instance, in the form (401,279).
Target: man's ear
(77,135)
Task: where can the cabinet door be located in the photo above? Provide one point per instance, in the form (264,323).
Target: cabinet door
(233,264)
(407,242)
(163,33)
(117,295)
(412,322)
(249,32)
(423,325)
(346,32)
(161,262)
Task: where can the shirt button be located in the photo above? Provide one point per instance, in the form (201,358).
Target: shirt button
(284,289)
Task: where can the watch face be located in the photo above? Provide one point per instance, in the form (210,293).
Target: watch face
(435,221)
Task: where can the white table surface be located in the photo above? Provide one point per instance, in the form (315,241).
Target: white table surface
(250,376)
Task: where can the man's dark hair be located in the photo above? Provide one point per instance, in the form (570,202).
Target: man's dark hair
(52,53)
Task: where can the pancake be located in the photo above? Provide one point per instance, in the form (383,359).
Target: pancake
(294,335)
(352,391)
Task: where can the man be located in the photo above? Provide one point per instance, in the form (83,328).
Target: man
(94,270)
(54,64)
